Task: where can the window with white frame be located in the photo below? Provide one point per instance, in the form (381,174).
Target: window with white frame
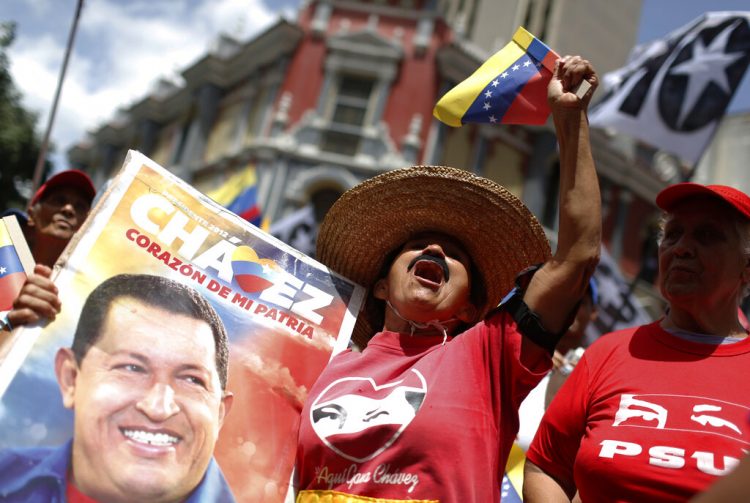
(348,114)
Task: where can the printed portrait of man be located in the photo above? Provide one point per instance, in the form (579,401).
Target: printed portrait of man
(359,419)
(146,380)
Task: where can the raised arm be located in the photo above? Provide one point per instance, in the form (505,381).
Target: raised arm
(558,286)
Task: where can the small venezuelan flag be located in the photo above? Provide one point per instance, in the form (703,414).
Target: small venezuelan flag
(509,88)
(512,483)
(12,272)
(239,194)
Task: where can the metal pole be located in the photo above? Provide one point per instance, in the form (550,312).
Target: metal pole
(45,142)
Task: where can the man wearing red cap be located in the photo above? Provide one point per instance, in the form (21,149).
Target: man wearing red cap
(658,412)
(56,212)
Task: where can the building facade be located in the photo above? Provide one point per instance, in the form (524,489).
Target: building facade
(346,91)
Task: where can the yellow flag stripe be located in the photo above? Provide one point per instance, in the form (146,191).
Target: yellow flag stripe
(523,37)
(514,467)
(234,186)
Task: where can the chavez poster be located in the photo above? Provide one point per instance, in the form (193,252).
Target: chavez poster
(284,313)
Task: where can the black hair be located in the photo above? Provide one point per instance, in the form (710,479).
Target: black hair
(155,291)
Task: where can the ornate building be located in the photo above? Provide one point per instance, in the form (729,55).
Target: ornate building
(346,91)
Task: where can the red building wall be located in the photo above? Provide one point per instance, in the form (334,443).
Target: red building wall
(414,90)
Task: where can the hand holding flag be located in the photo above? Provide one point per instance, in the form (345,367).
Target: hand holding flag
(573,83)
(37,299)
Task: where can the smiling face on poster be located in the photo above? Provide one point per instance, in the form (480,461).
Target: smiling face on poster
(146,400)
(145,379)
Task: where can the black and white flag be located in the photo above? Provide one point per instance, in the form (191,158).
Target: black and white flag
(617,305)
(299,230)
(674,90)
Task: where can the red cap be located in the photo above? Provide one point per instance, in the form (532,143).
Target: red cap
(70,178)
(669,197)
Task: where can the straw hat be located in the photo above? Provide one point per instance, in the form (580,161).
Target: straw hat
(376,217)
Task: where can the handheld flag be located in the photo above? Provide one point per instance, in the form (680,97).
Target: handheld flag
(673,91)
(512,484)
(239,194)
(15,261)
(509,88)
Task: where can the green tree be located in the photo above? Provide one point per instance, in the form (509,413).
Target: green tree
(19,143)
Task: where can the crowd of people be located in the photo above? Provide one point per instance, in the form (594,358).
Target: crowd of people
(468,311)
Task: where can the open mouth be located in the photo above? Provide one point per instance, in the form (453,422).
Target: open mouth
(158,439)
(430,268)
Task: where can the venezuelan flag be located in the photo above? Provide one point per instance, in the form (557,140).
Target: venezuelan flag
(239,194)
(12,273)
(509,88)
(512,483)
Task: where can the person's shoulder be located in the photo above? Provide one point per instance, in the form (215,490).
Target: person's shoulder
(214,487)
(615,340)
(16,462)
(27,455)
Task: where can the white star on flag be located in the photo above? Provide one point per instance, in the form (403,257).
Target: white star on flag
(504,75)
(526,63)
(488,93)
(2,270)
(515,67)
(707,65)
(267,269)
(487,105)
(493,119)
(495,83)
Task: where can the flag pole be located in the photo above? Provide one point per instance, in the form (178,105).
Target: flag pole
(45,142)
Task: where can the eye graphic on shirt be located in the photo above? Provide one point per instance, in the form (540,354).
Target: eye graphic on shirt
(683,413)
(712,420)
(359,419)
(330,412)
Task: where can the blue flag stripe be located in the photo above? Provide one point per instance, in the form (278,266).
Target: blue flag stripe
(508,492)
(538,50)
(502,94)
(246,200)
(9,261)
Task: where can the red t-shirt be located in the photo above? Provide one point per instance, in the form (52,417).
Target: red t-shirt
(412,419)
(73,495)
(658,418)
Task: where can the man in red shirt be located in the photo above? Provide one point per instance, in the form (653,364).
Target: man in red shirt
(56,212)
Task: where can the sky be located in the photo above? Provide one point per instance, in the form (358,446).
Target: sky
(123,47)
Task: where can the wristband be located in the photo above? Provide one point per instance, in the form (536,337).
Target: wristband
(5,322)
(527,321)
(529,324)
